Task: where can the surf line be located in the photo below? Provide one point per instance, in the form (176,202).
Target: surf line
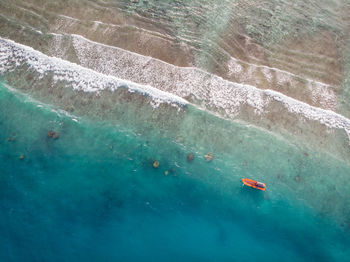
(230,95)
(12,54)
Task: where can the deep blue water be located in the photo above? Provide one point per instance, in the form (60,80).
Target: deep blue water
(78,199)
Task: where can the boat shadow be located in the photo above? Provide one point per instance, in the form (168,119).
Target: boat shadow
(252,195)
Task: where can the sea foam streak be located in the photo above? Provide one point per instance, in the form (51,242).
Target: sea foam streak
(210,90)
(119,62)
(13,55)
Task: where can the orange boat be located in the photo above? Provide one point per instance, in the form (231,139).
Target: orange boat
(254,184)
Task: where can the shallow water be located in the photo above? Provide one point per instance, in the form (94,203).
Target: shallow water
(270,67)
(76,198)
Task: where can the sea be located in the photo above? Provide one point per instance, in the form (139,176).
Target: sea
(93,194)
(109,111)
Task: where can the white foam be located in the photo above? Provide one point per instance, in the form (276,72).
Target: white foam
(69,18)
(168,83)
(283,78)
(234,67)
(321,94)
(326,117)
(212,91)
(13,55)
(181,81)
(267,73)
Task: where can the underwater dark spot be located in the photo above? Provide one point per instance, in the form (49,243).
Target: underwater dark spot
(11,139)
(190,157)
(208,157)
(52,134)
(155,164)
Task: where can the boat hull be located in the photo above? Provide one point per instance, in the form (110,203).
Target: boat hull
(254,184)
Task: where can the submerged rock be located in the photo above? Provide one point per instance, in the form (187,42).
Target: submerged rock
(208,157)
(52,134)
(155,164)
(12,137)
(171,171)
(190,157)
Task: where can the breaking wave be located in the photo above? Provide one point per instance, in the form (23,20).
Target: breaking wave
(170,84)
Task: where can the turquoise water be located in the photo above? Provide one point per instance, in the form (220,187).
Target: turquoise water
(93,195)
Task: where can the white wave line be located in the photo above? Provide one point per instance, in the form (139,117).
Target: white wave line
(80,77)
(326,117)
(223,96)
(69,17)
(201,70)
(154,33)
(226,94)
